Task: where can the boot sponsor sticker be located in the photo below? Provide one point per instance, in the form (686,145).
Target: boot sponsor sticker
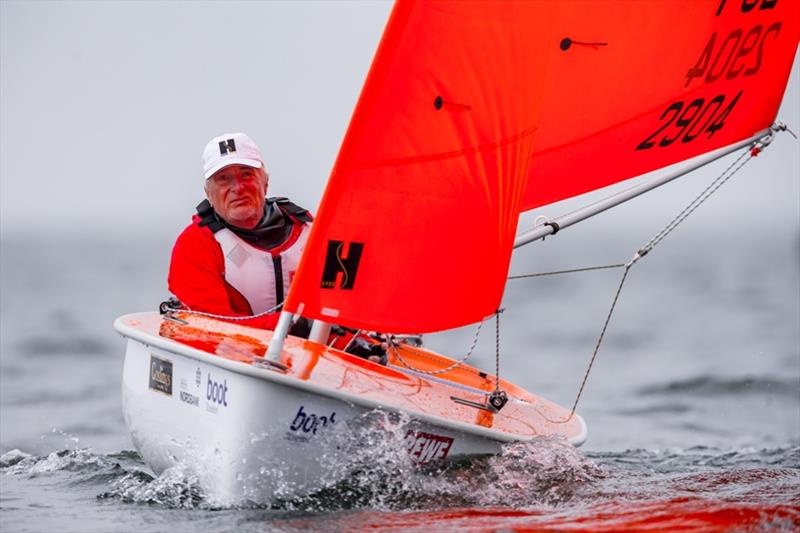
(306,424)
(426,447)
(216,394)
(160,375)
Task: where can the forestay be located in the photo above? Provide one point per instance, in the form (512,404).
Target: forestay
(473,112)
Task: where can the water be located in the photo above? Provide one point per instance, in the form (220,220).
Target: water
(693,405)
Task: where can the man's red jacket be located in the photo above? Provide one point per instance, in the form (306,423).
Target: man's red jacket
(197,278)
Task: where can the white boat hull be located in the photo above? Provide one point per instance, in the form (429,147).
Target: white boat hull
(253,434)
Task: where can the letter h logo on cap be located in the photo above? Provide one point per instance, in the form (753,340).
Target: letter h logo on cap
(227,146)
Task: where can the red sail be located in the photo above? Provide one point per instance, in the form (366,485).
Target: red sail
(475,111)
(655,83)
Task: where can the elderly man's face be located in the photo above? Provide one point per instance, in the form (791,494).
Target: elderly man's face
(237,193)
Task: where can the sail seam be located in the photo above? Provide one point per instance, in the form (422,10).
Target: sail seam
(400,161)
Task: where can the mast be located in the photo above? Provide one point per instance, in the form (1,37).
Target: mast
(278,338)
(559,223)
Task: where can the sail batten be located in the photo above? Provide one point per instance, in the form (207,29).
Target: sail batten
(473,112)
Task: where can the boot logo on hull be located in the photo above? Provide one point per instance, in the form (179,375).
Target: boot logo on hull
(306,424)
(216,394)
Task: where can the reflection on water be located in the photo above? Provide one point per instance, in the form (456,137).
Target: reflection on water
(542,484)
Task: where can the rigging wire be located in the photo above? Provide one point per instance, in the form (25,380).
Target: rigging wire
(570,271)
(392,347)
(727,174)
(599,340)
(697,202)
(497,350)
(498,398)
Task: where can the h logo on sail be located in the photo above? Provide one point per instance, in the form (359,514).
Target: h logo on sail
(335,263)
(227,146)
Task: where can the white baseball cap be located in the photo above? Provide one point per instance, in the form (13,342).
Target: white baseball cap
(230,149)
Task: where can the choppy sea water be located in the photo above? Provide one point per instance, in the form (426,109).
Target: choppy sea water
(693,405)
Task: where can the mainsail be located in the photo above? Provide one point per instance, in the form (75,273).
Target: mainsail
(475,111)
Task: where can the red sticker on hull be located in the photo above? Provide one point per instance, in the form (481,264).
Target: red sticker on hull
(426,447)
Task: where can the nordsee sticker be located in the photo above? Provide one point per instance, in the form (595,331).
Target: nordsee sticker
(160,375)
(191,399)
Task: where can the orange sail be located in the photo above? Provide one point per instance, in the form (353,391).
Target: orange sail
(475,111)
(642,85)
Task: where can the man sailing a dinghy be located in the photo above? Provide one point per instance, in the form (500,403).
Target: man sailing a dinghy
(238,256)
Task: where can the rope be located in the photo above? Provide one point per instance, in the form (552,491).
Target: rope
(697,202)
(727,174)
(393,348)
(599,342)
(497,350)
(586,269)
(780,126)
(226,317)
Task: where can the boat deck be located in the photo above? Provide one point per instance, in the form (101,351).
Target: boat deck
(335,373)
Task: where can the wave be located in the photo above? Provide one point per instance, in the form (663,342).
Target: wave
(673,460)
(64,344)
(377,473)
(63,397)
(123,475)
(658,409)
(545,476)
(72,467)
(374,473)
(718,386)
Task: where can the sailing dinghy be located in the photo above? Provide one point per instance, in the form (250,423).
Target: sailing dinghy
(472,113)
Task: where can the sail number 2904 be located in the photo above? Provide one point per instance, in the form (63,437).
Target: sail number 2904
(686,122)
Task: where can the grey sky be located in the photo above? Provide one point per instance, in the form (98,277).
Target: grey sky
(106,106)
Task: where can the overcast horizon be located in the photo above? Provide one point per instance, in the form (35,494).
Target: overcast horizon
(106,108)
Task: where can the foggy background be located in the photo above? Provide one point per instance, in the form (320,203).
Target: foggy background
(106,107)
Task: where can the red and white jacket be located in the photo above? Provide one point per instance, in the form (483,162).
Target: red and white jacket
(215,271)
